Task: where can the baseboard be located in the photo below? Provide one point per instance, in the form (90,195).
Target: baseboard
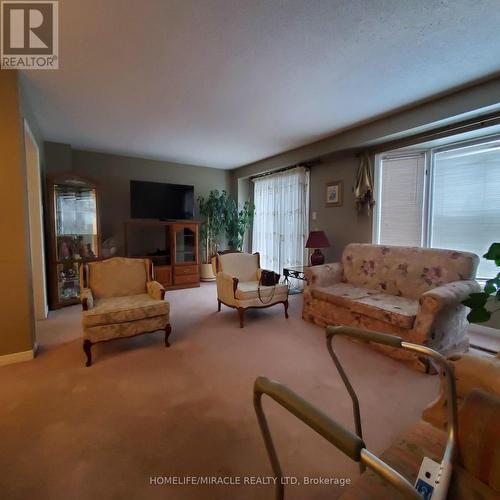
(16,357)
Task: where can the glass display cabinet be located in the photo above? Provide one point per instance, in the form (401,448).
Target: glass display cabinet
(172,246)
(73,235)
(185,244)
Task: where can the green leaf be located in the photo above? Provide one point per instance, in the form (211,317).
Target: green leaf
(476,300)
(490,287)
(493,253)
(478,315)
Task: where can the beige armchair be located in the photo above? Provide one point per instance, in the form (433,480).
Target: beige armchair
(237,276)
(120,299)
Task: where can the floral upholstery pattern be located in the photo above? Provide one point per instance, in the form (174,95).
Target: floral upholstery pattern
(121,299)
(123,309)
(155,290)
(127,329)
(117,277)
(405,271)
(415,293)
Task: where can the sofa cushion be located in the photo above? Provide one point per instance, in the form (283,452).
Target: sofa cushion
(247,290)
(389,308)
(405,271)
(341,294)
(123,309)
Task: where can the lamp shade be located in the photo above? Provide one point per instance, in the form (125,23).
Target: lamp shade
(317,239)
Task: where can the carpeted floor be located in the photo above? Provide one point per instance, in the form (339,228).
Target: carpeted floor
(144,411)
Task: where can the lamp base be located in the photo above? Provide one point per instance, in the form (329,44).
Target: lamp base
(317,258)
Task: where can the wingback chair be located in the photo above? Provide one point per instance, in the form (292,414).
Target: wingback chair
(237,276)
(120,299)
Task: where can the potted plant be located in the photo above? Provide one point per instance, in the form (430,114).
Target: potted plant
(237,222)
(490,294)
(213,209)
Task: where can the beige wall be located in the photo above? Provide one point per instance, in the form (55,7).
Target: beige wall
(16,301)
(342,225)
(114,172)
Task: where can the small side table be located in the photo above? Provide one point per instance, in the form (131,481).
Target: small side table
(294,272)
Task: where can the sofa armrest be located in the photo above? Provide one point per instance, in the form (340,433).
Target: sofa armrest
(324,275)
(448,295)
(86,298)
(226,286)
(155,290)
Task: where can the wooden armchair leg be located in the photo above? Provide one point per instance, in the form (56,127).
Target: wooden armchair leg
(241,314)
(168,330)
(218,305)
(87,349)
(286,308)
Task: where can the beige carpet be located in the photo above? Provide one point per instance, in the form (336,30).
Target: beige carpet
(70,432)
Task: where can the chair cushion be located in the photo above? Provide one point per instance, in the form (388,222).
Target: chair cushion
(248,290)
(122,309)
(395,310)
(239,265)
(117,277)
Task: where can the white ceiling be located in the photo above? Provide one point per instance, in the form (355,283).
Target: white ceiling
(223,83)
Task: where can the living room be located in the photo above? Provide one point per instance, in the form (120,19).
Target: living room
(201,203)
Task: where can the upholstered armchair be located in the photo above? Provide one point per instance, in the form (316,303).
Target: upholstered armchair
(120,299)
(237,276)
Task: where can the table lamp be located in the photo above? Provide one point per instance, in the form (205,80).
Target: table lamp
(317,240)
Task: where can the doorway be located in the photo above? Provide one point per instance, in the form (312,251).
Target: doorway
(35,217)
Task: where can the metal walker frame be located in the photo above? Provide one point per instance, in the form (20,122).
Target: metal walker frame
(352,444)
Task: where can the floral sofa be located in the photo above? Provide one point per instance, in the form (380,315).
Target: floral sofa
(414,293)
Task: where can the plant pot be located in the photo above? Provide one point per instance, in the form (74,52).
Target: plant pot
(206,272)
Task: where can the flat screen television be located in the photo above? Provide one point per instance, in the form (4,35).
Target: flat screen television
(156,200)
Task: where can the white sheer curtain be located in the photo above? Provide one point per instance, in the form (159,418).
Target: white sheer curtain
(281,222)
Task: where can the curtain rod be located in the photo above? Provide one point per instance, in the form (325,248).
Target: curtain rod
(440,132)
(307,165)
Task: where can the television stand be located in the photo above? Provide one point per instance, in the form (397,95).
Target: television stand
(177,266)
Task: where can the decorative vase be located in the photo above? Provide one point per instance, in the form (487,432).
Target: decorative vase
(206,272)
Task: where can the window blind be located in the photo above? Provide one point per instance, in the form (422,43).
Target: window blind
(401,200)
(465,201)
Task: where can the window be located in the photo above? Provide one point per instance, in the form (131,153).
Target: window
(441,198)
(280,225)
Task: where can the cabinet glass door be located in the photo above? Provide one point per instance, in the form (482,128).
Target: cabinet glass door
(185,245)
(76,233)
(76,222)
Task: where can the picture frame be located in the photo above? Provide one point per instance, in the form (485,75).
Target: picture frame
(334,194)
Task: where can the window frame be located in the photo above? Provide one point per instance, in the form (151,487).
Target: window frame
(429,159)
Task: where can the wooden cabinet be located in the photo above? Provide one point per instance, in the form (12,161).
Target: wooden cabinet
(171,245)
(73,235)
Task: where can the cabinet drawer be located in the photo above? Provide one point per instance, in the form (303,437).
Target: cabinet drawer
(188,278)
(163,275)
(183,270)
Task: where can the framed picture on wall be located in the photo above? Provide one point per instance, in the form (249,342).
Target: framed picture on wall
(334,194)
